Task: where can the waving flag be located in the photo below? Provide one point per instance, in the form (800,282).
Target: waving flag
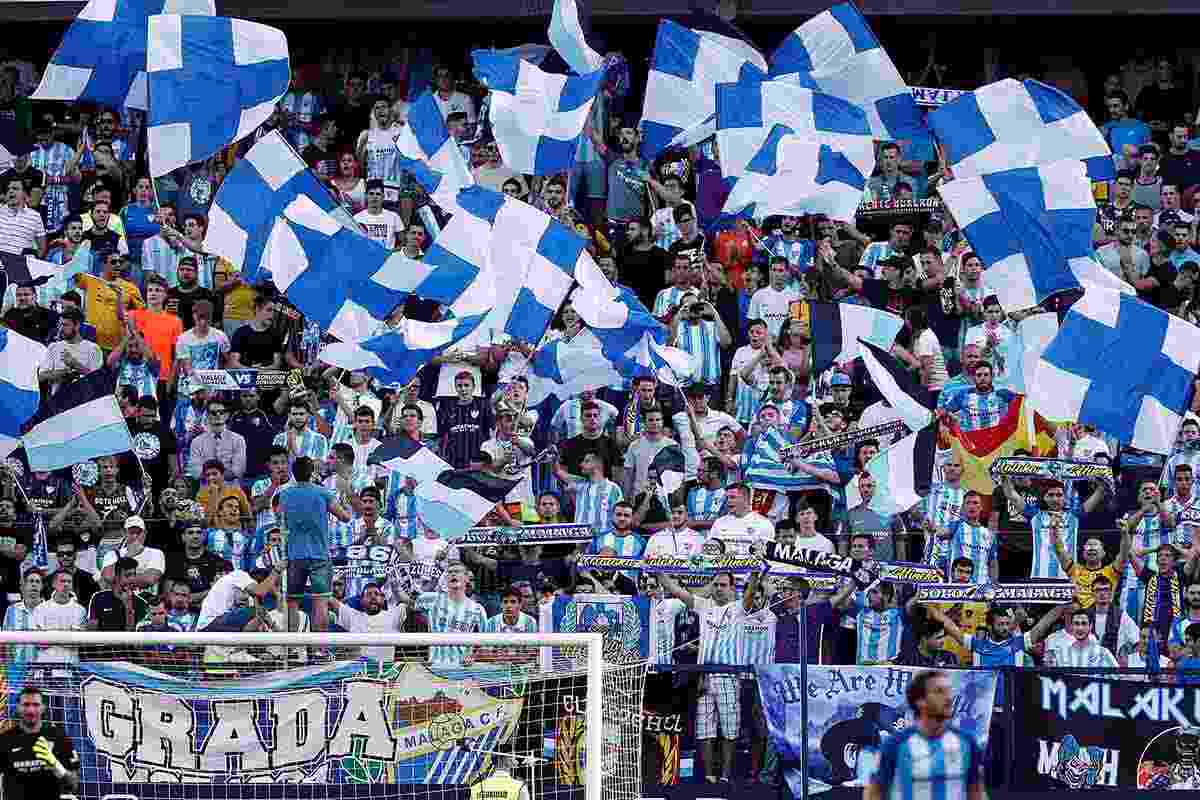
(669,365)
(898,386)
(903,474)
(1013,124)
(342,280)
(1020,429)
(793,175)
(429,151)
(411,459)
(1032,227)
(13,143)
(102,57)
(80,421)
(398,354)
(837,53)
(254,195)
(566,34)
(748,112)
(681,90)
(212,81)
(537,117)
(1121,365)
(564,368)
(458,499)
(20,357)
(837,328)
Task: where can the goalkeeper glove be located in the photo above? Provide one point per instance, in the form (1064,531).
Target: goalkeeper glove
(44,751)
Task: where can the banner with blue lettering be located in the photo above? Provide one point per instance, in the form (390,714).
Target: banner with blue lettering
(851,710)
(356,724)
(1093,732)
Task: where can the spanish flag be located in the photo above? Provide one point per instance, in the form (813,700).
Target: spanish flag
(1021,429)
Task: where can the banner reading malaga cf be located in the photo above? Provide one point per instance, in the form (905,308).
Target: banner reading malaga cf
(1081,732)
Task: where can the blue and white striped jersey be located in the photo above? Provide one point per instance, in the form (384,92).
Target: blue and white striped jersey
(756,637)
(594,501)
(718,630)
(976,542)
(1045,561)
(447,616)
(879,634)
(913,767)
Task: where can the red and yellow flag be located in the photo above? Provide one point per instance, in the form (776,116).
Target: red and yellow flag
(979,449)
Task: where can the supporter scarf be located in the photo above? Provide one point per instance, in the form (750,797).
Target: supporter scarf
(1155,610)
(1112,627)
(1042,592)
(841,441)
(1052,468)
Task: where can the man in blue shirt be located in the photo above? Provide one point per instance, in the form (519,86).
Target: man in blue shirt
(1123,133)
(305,509)
(932,758)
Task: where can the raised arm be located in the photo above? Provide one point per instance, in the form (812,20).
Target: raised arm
(1047,621)
(948,625)
(675,590)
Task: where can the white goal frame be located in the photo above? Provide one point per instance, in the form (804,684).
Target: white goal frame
(592,643)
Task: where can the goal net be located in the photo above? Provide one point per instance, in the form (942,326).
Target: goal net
(313,716)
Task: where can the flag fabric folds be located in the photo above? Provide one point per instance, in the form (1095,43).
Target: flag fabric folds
(252,198)
(566,34)
(13,143)
(19,395)
(669,365)
(17,269)
(836,52)
(688,62)
(102,56)
(898,386)
(565,368)
(795,176)
(397,355)
(342,280)
(1012,124)
(433,156)
(903,474)
(748,112)
(81,421)
(1033,336)
(979,449)
(212,81)
(837,328)
(537,117)
(1121,365)
(458,499)
(1032,228)
(411,459)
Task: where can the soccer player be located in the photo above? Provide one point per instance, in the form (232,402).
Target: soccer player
(37,760)
(931,758)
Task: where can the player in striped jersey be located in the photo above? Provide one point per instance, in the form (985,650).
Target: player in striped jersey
(971,538)
(931,760)
(720,704)
(451,611)
(1083,650)
(596,496)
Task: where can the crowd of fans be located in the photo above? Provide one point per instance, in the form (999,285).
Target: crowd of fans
(179,534)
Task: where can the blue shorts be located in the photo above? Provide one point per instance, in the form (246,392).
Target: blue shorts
(303,571)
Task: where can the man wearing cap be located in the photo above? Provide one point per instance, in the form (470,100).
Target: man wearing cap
(151,563)
(378,223)
(21,228)
(107,299)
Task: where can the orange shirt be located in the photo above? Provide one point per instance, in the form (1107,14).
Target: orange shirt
(160,329)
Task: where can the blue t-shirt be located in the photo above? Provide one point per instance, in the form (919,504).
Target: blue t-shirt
(305,507)
(1126,131)
(1188,665)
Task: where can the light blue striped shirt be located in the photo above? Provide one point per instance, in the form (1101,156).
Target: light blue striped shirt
(567,421)
(879,634)
(975,542)
(1045,560)
(628,546)
(701,341)
(312,444)
(18,617)
(913,767)
(666,299)
(235,546)
(718,630)
(400,506)
(705,504)
(977,411)
(446,616)
(942,506)
(594,501)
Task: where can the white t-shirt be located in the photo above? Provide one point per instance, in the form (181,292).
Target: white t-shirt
(389,620)
(50,615)
(684,543)
(384,227)
(738,533)
(200,353)
(85,352)
(772,307)
(456,101)
(927,344)
(223,597)
(818,541)
(662,630)
(149,558)
(710,425)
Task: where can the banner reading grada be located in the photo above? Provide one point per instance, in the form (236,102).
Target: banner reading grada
(851,711)
(349,723)
(1105,732)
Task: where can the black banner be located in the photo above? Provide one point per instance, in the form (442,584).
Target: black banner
(1080,732)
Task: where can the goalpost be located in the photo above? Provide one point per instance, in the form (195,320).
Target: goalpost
(159,714)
